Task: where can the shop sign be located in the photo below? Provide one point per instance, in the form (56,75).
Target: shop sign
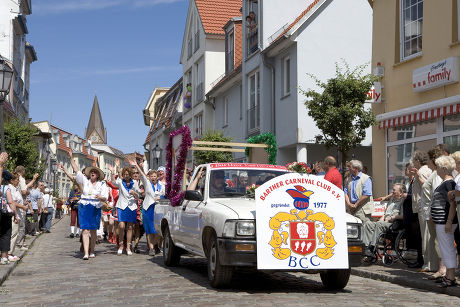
(438,74)
(375,93)
(300,224)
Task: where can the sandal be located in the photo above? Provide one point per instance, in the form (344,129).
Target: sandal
(448,283)
(435,276)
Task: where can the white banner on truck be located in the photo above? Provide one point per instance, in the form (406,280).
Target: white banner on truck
(300,222)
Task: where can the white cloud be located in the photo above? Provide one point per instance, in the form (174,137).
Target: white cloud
(46,7)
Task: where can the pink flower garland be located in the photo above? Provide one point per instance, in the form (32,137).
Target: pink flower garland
(173,189)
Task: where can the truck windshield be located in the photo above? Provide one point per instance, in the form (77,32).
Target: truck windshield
(234,182)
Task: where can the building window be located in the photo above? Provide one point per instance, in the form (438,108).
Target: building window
(403,141)
(197,35)
(286,71)
(254,102)
(225,111)
(411,28)
(230,53)
(200,81)
(252,32)
(199,125)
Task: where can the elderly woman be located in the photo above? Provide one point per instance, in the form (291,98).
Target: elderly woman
(393,211)
(444,217)
(89,209)
(126,206)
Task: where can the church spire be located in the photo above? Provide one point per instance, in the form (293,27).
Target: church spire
(95,132)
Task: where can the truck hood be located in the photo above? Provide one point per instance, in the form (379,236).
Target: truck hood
(245,208)
(351,219)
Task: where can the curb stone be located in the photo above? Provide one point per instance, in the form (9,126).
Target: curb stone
(5,270)
(412,279)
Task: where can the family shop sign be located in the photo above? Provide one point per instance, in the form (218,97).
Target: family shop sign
(438,74)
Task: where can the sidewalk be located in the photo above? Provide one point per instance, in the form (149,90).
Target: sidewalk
(400,274)
(5,270)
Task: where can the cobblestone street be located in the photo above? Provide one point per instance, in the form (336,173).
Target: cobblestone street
(53,273)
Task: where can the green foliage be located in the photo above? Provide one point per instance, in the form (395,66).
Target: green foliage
(202,157)
(339,110)
(265,138)
(21,148)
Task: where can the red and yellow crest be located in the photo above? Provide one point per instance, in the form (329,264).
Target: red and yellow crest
(303,237)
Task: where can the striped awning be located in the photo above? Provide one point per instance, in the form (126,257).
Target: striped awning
(419,116)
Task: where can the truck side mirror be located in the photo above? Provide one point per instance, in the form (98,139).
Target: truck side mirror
(193,195)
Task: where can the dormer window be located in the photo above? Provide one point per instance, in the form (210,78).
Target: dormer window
(229,51)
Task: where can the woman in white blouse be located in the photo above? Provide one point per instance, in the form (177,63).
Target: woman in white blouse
(153,192)
(89,208)
(126,206)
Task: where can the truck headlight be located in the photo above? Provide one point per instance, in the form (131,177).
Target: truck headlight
(353,231)
(245,228)
(233,228)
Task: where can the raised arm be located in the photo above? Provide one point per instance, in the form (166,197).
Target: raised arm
(31,183)
(194,183)
(71,177)
(72,161)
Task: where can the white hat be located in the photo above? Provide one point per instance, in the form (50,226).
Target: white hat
(161,169)
(47,191)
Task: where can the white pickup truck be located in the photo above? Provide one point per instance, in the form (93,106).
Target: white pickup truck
(221,226)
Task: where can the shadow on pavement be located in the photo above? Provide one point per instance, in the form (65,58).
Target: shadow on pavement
(248,280)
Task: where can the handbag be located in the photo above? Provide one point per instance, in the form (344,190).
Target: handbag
(5,209)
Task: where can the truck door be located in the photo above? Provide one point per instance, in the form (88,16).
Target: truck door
(190,219)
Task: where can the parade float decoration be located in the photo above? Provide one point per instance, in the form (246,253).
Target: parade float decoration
(176,154)
(300,223)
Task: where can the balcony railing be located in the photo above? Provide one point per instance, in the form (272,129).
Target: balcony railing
(252,41)
(253,118)
(200,92)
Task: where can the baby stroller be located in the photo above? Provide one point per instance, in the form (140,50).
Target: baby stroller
(395,245)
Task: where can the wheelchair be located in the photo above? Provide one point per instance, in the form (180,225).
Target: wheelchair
(395,245)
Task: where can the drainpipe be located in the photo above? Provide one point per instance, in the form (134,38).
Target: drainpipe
(270,65)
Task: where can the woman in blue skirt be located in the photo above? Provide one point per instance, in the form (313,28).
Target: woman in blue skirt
(89,207)
(153,191)
(126,206)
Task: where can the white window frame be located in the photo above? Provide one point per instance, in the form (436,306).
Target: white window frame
(199,124)
(225,111)
(401,33)
(286,76)
(230,60)
(256,105)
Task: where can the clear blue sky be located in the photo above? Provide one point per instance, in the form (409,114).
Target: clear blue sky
(119,50)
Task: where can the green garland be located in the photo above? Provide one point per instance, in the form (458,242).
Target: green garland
(266,138)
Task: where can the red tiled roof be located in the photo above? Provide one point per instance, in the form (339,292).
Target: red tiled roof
(296,20)
(63,146)
(215,14)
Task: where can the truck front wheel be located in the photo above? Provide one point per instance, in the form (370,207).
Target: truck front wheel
(171,254)
(335,279)
(219,275)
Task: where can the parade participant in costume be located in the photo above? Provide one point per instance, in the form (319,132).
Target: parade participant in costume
(89,209)
(126,206)
(153,191)
(113,217)
(72,202)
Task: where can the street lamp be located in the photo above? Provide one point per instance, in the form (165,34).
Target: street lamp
(157,151)
(54,169)
(6,74)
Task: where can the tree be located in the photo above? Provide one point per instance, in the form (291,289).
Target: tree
(339,110)
(21,149)
(202,157)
